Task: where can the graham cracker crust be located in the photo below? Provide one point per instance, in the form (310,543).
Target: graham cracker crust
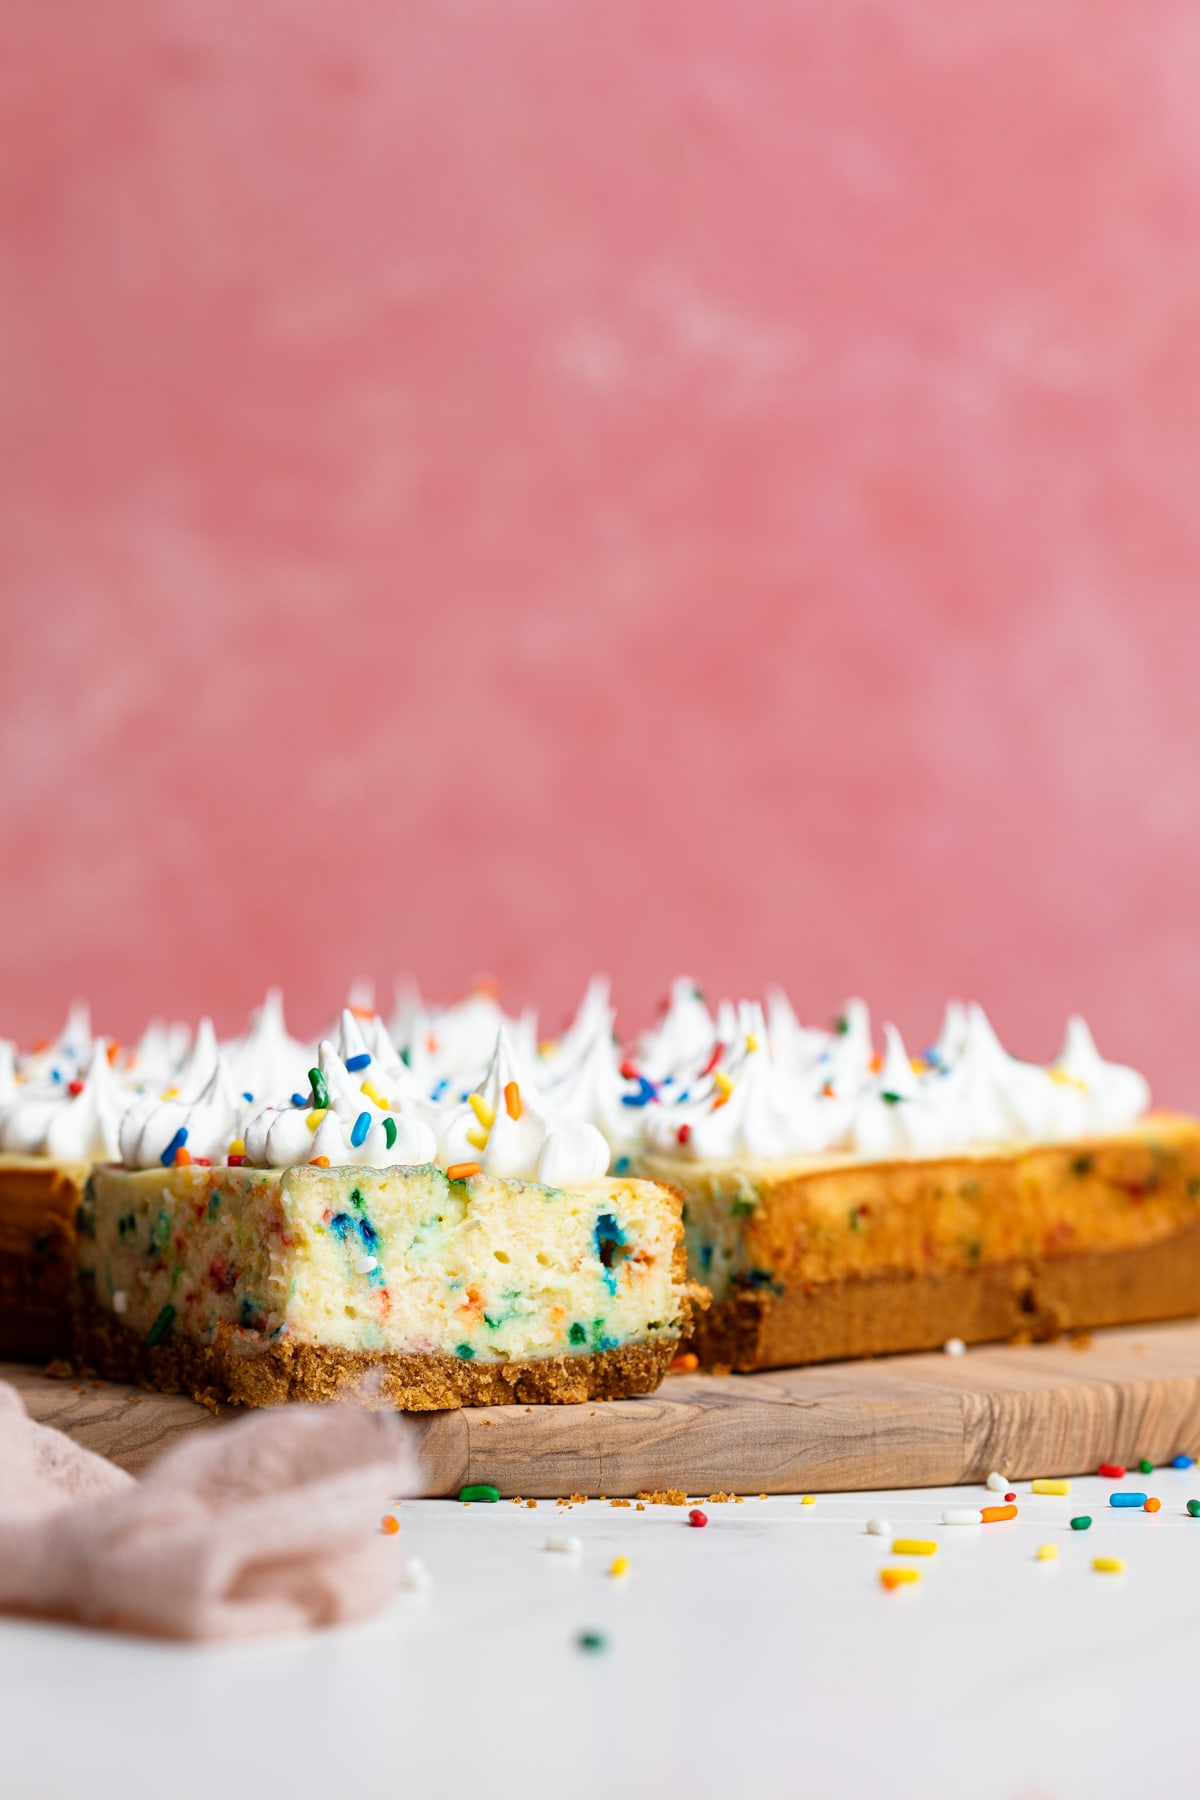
(291,1371)
(38,1202)
(876,1315)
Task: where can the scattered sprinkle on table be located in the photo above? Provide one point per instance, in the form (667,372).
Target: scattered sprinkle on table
(415,1575)
(881,1528)
(1146,1467)
(1108,1565)
(808,1500)
(1177,1462)
(565,1546)
(1008,1498)
(1112,1471)
(480,1490)
(954,1347)
(914,1547)
(1153,1505)
(1051,1487)
(1193,1507)
(992,1515)
(1082,1523)
(696,1517)
(592,1640)
(962,1515)
(996,1482)
(389,1524)
(1127,1499)
(1047,1552)
(619,1566)
(686,1363)
(894,1578)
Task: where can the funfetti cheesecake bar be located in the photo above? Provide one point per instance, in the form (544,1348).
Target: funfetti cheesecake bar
(842,1205)
(362,1241)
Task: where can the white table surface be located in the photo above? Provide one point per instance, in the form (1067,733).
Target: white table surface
(757,1656)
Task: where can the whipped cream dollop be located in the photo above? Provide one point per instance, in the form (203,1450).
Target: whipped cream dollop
(202,1126)
(266,1061)
(73,1121)
(589,1080)
(749,1105)
(507,1128)
(346,1117)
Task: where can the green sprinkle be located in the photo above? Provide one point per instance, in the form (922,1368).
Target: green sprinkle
(161,1326)
(320,1092)
(578,1333)
(1146,1467)
(592,1640)
(1194,1508)
(890,1098)
(389,1130)
(480,1490)
(465,1351)
(1082,1523)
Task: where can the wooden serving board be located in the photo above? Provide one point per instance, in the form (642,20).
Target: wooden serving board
(903,1421)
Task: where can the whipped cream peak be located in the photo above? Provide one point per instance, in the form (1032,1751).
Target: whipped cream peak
(951,1040)
(195,1071)
(266,1060)
(505,1128)
(793,1045)
(8,1070)
(599,1089)
(594,1019)
(1115,1094)
(684,1036)
(173,1128)
(845,1064)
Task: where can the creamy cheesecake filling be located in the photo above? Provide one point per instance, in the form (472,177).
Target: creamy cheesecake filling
(384,1260)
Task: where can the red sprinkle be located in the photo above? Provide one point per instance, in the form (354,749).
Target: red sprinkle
(696,1517)
(684,1133)
(1114,1471)
(713,1060)
(627,1070)
(74,1087)
(235,1162)
(1010,1497)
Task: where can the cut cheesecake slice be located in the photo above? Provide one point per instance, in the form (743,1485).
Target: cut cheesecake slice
(822,1258)
(397,1285)
(39,1198)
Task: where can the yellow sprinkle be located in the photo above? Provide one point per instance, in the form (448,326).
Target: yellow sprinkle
(1108,1565)
(1065,1080)
(547,1047)
(369,1088)
(722,1083)
(914,1547)
(808,1500)
(619,1565)
(1047,1552)
(482,1110)
(1051,1487)
(237,1148)
(751,1041)
(315,1116)
(477,1139)
(171,1093)
(917,1064)
(893,1578)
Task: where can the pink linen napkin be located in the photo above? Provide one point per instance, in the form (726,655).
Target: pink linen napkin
(267,1524)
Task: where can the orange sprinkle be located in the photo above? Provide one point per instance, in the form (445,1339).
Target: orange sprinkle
(460,1171)
(684,1364)
(111,1053)
(318,1162)
(1152,1505)
(389,1524)
(992,1514)
(182,1158)
(512,1100)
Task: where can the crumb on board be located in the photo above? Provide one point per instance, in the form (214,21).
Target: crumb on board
(663,1496)
(620,1503)
(60,1369)
(532,1504)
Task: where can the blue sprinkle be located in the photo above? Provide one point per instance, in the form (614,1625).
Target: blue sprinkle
(56,1074)
(300,1099)
(360,1128)
(246,1096)
(440,1089)
(622,1166)
(1183,1462)
(643,1096)
(1127,1499)
(355,1063)
(607,1343)
(176,1143)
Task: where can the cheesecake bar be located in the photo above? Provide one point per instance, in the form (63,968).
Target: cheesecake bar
(826,1257)
(410,1287)
(39,1199)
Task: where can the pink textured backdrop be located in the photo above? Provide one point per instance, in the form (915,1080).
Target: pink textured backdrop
(660,486)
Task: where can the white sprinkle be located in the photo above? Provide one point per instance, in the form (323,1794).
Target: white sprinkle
(962,1515)
(120,1300)
(414,1574)
(954,1347)
(566,1546)
(365,1264)
(997,1483)
(879,1528)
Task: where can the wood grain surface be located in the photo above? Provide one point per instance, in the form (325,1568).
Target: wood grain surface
(905,1421)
